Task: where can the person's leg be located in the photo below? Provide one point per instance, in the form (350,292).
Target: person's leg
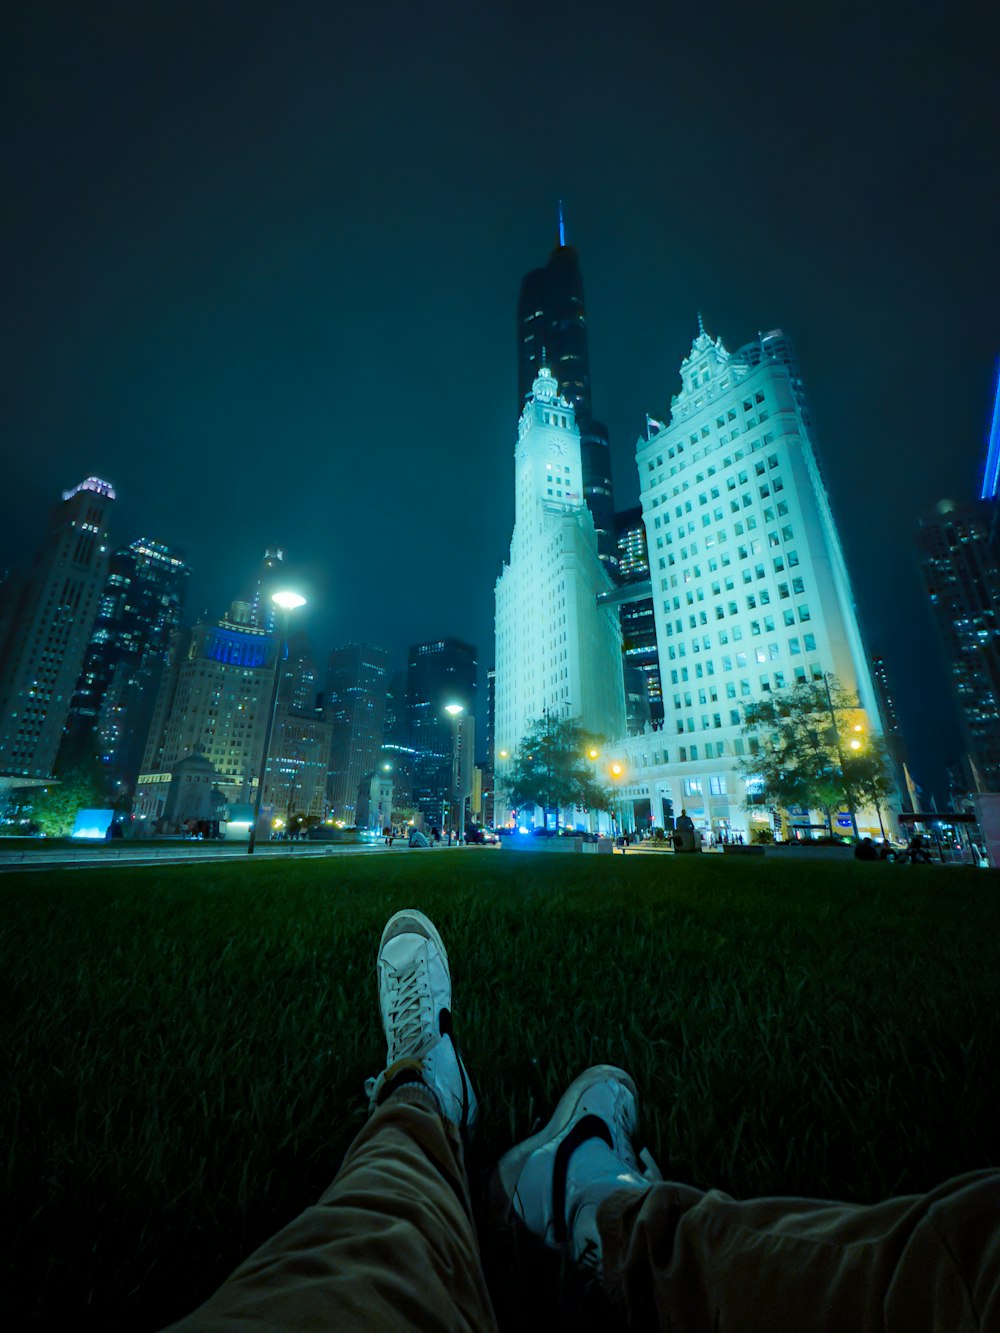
(391,1244)
(685,1261)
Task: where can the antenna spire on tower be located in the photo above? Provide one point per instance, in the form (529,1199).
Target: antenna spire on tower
(701,324)
(562,225)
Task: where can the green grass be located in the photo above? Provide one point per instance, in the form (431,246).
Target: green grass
(184,1048)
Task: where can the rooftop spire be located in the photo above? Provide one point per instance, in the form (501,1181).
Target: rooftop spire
(562,225)
(701,324)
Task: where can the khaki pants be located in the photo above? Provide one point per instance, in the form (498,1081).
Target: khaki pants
(391,1246)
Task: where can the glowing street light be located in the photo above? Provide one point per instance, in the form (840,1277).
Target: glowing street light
(286,601)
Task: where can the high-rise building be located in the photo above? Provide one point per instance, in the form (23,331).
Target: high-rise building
(263,612)
(397,751)
(213,700)
(489,765)
(48,633)
(354,702)
(557,650)
(552,325)
(959,548)
(299,755)
(751,591)
(643,692)
(439,673)
(139,610)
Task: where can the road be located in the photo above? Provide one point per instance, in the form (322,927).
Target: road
(135,854)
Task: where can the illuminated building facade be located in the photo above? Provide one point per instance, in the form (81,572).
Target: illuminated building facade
(139,611)
(213,700)
(354,704)
(552,323)
(751,592)
(557,650)
(49,630)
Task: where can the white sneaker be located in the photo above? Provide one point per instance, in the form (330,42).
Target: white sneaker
(414,992)
(554,1180)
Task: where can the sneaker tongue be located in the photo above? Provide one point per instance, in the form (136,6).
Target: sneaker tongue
(400,951)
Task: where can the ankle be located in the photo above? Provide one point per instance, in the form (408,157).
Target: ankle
(412,1093)
(594,1173)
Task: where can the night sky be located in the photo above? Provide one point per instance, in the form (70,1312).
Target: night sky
(261,265)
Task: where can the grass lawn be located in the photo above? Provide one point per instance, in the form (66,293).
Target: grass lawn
(184,1047)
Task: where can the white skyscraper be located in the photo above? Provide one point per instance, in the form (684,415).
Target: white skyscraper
(750,589)
(557,652)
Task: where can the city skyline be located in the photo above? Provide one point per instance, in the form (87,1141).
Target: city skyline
(254,331)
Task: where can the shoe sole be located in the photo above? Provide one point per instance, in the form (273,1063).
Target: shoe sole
(508,1169)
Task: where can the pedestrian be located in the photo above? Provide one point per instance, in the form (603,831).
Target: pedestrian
(918,851)
(392,1242)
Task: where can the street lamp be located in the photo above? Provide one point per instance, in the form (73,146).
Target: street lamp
(616,771)
(455,711)
(286,602)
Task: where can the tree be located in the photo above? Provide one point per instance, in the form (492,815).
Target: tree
(55,808)
(869,773)
(552,768)
(810,748)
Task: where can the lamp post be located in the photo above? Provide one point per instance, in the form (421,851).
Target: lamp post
(286,602)
(593,754)
(455,711)
(616,770)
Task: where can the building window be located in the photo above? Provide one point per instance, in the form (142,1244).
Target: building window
(717,786)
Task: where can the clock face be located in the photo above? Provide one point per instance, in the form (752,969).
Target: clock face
(558,447)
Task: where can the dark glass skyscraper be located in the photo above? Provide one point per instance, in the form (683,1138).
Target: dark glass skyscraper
(959,547)
(643,691)
(139,610)
(48,630)
(438,673)
(354,702)
(552,323)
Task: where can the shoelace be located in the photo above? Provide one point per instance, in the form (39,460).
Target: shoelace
(643,1162)
(409,1003)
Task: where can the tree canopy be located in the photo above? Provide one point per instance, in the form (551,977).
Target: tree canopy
(552,767)
(810,748)
(54,809)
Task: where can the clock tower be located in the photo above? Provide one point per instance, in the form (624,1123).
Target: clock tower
(558,652)
(547,456)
